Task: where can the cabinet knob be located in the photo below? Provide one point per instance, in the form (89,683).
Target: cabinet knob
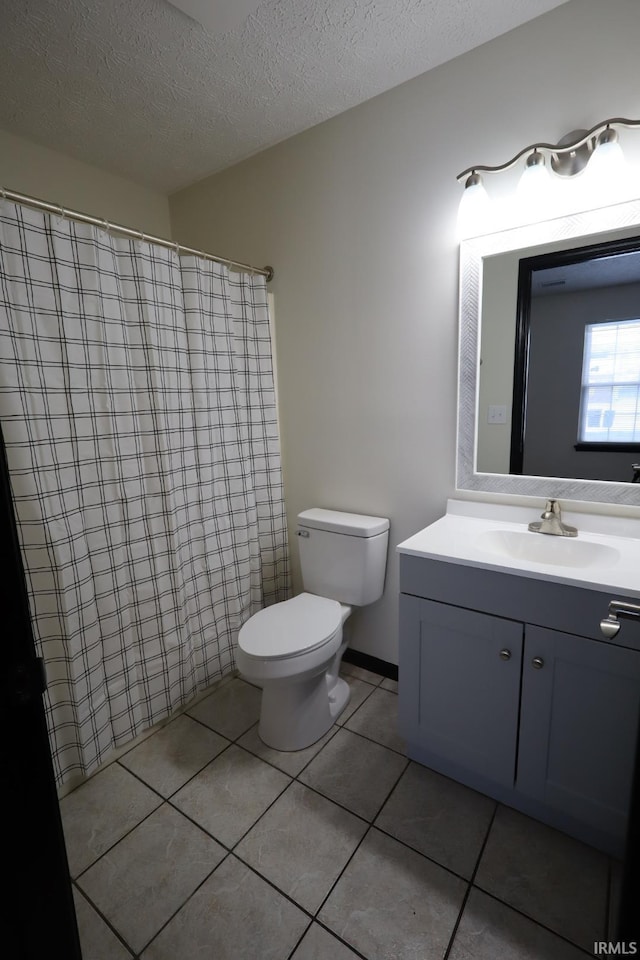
(505,654)
(537,663)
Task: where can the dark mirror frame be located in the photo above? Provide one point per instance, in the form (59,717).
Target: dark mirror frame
(527,267)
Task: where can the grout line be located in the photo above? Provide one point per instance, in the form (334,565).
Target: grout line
(362,839)
(521,913)
(313,917)
(463,905)
(371,740)
(336,936)
(124,835)
(341,874)
(182,785)
(206,726)
(370,825)
(345,718)
(536,923)
(85,896)
(336,803)
(316,754)
(274,765)
(182,905)
(300,939)
(230,850)
(274,886)
(425,856)
(232,847)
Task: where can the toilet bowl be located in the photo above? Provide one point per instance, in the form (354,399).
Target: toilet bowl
(293,649)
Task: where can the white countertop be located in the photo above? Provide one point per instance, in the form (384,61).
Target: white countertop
(604,556)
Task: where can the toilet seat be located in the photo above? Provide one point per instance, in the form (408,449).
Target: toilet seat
(291,628)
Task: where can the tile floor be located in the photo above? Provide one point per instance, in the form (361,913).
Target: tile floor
(201,843)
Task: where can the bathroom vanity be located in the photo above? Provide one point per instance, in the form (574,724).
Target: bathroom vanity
(506,682)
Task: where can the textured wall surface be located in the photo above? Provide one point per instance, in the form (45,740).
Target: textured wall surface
(138,88)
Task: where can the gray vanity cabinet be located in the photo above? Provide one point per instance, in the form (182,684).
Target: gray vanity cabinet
(578,726)
(461,686)
(493,696)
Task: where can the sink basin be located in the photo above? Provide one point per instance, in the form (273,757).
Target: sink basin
(542,548)
(605,555)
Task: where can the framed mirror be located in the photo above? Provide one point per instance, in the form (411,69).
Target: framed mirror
(576,377)
(495,362)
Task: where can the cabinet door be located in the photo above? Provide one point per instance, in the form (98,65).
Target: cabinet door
(460,686)
(578,723)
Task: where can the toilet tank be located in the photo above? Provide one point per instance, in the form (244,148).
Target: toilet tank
(343,555)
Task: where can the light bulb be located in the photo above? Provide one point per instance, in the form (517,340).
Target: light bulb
(474,214)
(606,176)
(534,188)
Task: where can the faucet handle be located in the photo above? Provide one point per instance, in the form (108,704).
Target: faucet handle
(551,509)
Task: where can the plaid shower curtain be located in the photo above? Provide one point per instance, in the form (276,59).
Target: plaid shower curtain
(137,404)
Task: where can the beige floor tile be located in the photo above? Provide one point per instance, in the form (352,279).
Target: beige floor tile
(360,673)
(489,930)
(438,817)
(547,875)
(390,901)
(234,915)
(319,944)
(393,902)
(301,844)
(174,754)
(388,684)
(230,710)
(291,762)
(228,796)
(359,691)
(100,812)
(142,881)
(377,719)
(97,940)
(357,773)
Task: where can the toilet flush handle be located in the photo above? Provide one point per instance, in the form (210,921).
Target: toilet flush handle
(302,533)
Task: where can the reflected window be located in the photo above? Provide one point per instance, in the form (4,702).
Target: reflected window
(610,398)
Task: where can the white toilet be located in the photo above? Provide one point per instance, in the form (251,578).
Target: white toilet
(293,649)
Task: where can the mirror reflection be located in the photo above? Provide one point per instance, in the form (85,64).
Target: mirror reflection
(559,385)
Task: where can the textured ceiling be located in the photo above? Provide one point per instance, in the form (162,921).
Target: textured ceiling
(604,272)
(138,88)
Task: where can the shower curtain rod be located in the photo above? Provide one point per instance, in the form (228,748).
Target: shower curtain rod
(127,231)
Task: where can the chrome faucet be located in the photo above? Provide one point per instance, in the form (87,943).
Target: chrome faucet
(551,522)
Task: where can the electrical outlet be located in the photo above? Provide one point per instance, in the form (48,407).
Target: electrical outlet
(497,413)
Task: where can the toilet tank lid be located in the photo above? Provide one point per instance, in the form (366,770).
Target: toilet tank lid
(351,524)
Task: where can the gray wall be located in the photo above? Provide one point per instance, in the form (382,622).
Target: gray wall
(555,371)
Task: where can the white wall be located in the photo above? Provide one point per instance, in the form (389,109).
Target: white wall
(358,218)
(37,171)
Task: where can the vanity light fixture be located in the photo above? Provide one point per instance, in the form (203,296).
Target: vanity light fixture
(596,151)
